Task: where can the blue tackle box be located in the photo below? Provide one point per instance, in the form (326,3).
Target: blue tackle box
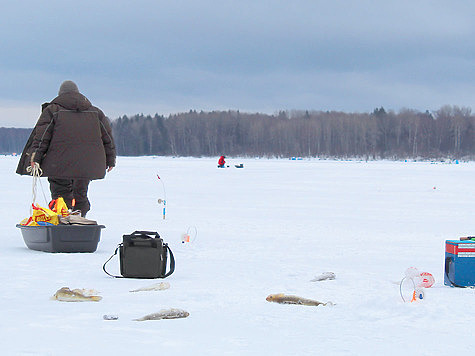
(459,263)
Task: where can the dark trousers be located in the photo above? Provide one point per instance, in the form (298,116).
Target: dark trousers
(71,189)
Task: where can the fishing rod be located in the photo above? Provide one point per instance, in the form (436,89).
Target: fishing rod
(164,200)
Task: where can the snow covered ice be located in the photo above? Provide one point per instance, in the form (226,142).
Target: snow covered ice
(268,228)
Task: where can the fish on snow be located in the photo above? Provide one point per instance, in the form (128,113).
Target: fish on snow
(293,299)
(158,286)
(165,314)
(76,295)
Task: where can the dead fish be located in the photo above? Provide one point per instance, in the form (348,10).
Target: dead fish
(76,295)
(324,276)
(158,286)
(293,299)
(110,317)
(165,314)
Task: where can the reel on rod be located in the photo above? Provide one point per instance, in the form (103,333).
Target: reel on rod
(164,200)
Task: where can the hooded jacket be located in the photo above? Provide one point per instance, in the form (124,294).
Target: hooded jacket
(72,139)
(221,161)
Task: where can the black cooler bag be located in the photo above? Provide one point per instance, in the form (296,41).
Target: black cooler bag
(143,254)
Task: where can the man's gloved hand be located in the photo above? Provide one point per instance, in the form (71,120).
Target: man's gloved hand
(34,168)
(32,159)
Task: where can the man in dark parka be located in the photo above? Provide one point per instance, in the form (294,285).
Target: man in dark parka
(73,144)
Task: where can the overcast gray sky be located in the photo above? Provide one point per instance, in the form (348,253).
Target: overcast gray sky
(153,56)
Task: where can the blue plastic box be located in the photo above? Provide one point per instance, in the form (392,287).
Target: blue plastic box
(459,263)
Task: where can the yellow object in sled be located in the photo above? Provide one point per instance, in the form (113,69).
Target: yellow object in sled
(59,207)
(44,214)
(40,214)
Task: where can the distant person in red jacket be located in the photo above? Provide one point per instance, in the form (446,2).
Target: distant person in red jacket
(221,162)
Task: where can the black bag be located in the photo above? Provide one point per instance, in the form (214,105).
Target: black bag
(143,254)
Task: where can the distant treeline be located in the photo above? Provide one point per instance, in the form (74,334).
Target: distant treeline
(13,140)
(447,133)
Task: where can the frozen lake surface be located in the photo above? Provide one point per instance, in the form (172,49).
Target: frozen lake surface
(270,227)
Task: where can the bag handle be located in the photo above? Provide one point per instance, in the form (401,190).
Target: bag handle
(145,234)
(448,262)
(172,262)
(110,258)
